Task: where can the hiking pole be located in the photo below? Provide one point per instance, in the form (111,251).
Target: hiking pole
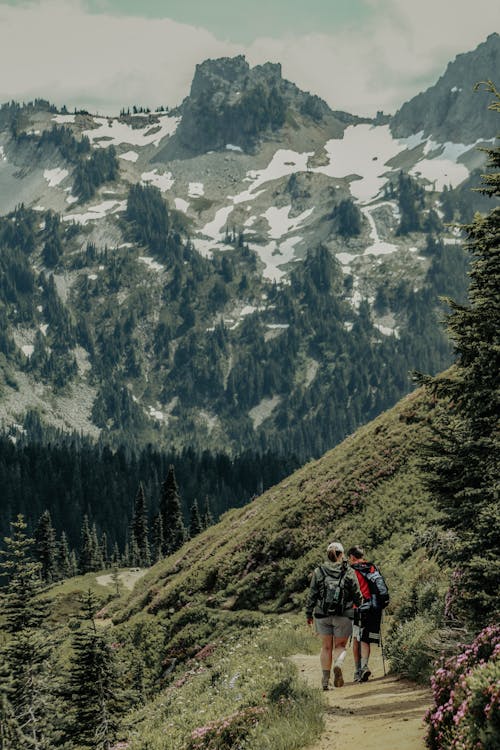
(382,646)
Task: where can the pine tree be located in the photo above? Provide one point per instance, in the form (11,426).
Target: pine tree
(86,550)
(46,547)
(463,462)
(207,518)
(92,684)
(157,538)
(26,654)
(171,515)
(97,561)
(64,557)
(195,525)
(104,550)
(139,529)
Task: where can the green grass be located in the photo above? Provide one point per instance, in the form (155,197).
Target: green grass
(244,671)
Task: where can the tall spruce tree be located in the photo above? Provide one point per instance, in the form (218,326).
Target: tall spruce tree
(463,461)
(46,547)
(139,530)
(26,653)
(157,551)
(174,532)
(207,518)
(86,558)
(195,524)
(92,684)
(64,557)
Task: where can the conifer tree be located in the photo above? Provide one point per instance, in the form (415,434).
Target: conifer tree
(97,561)
(207,518)
(26,654)
(46,547)
(157,538)
(463,461)
(104,550)
(93,680)
(140,528)
(64,557)
(195,525)
(86,550)
(171,515)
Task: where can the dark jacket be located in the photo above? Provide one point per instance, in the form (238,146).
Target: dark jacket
(315,595)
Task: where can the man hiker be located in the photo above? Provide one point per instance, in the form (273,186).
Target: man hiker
(333,592)
(367,617)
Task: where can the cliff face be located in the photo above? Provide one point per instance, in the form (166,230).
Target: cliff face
(446,111)
(230,102)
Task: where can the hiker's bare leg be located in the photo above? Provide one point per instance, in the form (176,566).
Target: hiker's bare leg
(338,659)
(355,650)
(325,656)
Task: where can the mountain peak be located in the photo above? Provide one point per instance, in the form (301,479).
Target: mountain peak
(449,110)
(231,102)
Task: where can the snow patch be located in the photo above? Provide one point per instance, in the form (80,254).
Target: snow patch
(130,156)
(181,204)
(55,176)
(112,132)
(153,264)
(196,190)
(280,223)
(63,119)
(97,212)
(232,147)
(364,150)
(28,349)
(162,181)
(378,247)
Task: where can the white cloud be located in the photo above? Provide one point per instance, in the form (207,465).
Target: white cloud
(56,49)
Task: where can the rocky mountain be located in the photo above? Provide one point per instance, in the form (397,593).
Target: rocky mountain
(251,270)
(447,111)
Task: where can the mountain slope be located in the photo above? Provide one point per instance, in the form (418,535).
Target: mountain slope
(446,111)
(165,284)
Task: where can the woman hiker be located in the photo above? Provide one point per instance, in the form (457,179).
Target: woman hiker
(333,593)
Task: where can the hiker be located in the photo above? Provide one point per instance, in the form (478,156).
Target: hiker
(367,617)
(333,592)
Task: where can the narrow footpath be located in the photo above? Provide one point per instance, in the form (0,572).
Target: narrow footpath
(384,713)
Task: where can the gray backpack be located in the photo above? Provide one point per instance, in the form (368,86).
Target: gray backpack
(332,590)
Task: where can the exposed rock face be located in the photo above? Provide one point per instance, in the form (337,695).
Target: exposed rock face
(446,111)
(230,102)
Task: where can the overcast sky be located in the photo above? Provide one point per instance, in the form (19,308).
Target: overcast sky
(359,55)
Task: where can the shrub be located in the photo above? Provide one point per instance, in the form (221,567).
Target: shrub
(412,648)
(466,693)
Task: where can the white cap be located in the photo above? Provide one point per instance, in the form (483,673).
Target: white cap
(336,546)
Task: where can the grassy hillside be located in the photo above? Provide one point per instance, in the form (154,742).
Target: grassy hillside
(203,635)
(366,491)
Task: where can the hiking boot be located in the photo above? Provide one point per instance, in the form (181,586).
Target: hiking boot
(365,673)
(338,679)
(357,675)
(325,682)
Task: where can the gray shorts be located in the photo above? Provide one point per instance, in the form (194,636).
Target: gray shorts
(339,627)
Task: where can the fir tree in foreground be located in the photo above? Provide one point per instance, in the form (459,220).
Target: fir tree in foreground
(26,700)
(93,680)
(463,462)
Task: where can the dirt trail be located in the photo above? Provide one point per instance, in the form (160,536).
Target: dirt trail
(384,713)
